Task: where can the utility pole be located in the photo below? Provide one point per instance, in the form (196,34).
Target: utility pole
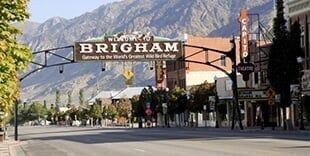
(16,121)
(236,106)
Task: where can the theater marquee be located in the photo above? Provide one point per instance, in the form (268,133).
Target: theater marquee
(128,47)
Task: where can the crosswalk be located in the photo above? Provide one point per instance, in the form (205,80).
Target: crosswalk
(4,150)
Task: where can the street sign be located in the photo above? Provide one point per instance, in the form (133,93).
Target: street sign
(295,93)
(212,102)
(271,96)
(252,94)
(130,47)
(245,69)
(148,112)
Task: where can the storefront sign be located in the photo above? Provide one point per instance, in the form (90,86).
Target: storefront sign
(245,69)
(252,94)
(295,93)
(244,36)
(128,47)
(306,80)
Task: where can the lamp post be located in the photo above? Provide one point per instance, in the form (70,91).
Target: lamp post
(300,62)
(16,120)
(216,103)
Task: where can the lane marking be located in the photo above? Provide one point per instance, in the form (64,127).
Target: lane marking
(140,150)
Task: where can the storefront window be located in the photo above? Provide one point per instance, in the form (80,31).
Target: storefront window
(228,84)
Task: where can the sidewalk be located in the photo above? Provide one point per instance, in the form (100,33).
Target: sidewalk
(10,147)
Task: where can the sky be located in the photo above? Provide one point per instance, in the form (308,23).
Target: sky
(41,10)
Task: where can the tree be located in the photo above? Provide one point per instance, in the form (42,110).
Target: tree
(144,99)
(282,60)
(81,98)
(124,108)
(57,101)
(83,115)
(295,49)
(69,104)
(109,112)
(95,111)
(51,115)
(134,104)
(14,56)
(179,99)
(45,104)
(199,96)
(36,111)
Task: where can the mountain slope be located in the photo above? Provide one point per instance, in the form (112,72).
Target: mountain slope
(167,18)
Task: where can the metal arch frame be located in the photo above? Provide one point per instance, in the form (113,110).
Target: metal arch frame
(231,54)
(42,66)
(46,64)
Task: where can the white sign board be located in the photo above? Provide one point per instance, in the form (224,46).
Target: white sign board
(305,80)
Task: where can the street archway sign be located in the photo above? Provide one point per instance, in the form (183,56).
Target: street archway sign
(129,47)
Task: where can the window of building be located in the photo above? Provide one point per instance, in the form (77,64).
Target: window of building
(264,76)
(228,84)
(255,78)
(223,60)
(302,37)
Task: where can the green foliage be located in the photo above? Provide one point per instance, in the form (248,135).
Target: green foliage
(124,108)
(110,112)
(45,104)
(147,96)
(95,111)
(14,56)
(81,97)
(32,112)
(135,105)
(57,101)
(51,114)
(178,100)
(36,111)
(69,104)
(83,114)
(282,65)
(199,96)
(73,113)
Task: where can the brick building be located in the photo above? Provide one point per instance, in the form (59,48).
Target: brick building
(186,74)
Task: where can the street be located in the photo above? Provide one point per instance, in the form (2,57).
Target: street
(77,141)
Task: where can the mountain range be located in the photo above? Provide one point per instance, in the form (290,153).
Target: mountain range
(165,18)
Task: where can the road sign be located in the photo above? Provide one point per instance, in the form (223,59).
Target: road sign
(271,96)
(128,74)
(148,112)
(245,69)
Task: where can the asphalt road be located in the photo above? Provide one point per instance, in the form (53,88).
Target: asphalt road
(75,141)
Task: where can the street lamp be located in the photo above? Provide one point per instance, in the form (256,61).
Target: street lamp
(216,103)
(300,62)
